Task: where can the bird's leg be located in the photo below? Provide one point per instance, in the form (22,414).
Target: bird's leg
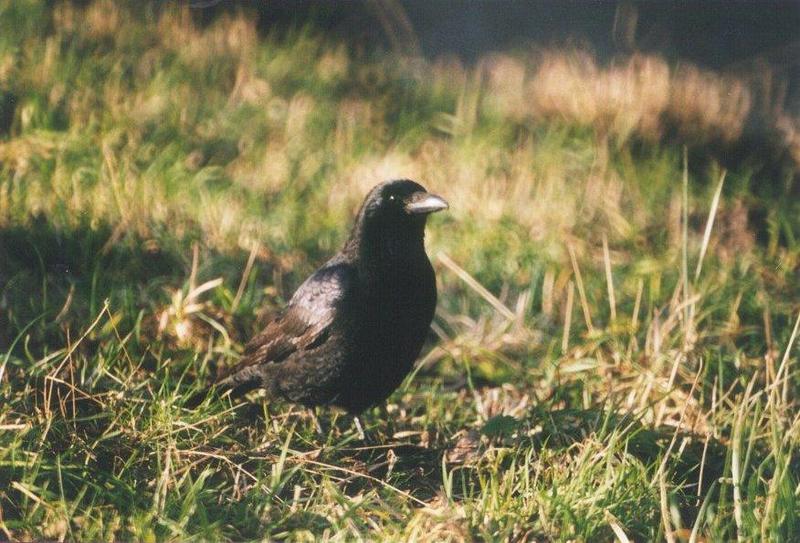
(384,411)
(359,429)
(317,426)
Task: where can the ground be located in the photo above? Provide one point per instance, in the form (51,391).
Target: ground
(614,354)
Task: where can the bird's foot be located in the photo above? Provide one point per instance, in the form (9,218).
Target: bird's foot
(315,420)
(359,429)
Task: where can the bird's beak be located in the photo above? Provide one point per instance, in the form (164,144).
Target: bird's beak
(422,203)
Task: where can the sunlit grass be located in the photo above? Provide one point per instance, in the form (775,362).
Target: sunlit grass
(615,345)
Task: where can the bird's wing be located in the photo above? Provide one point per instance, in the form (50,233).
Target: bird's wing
(305,322)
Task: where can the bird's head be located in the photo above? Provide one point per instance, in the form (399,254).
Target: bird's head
(400,202)
(395,212)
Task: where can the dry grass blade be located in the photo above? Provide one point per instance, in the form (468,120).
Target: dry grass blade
(393,488)
(27,492)
(476,286)
(679,426)
(587,316)
(783,370)
(712,213)
(617,528)
(195,266)
(568,317)
(665,513)
(200,289)
(687,308)
(736,461)
(245,275)
(612,302)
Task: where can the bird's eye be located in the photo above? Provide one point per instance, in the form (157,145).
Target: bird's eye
(391,198)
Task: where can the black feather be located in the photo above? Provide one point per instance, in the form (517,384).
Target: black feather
(354,328)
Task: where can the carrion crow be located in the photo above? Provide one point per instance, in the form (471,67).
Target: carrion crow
(352,331)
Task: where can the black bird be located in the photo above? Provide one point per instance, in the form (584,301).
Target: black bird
(353,330)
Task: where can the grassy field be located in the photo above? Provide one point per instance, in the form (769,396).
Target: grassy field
(615,350)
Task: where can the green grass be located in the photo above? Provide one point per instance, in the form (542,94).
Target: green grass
(164,188)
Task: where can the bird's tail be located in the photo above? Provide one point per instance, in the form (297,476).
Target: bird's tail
(236,384)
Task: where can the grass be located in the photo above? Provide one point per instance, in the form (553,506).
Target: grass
(615,350)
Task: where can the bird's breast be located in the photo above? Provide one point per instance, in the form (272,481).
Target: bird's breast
(399,310)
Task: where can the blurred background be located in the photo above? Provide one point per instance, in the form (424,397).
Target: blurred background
(736,36)
(713,34)
(757,44)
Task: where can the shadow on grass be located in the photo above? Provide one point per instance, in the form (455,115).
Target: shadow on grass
(64,275)
(694,462)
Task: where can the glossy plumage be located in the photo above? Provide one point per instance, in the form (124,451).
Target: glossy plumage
(352,331)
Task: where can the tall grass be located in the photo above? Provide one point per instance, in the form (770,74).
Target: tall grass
(615,349)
